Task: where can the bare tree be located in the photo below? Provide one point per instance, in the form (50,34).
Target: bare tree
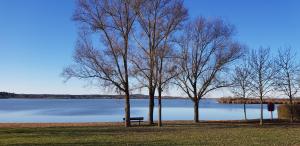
(207,49)
(113,21)
(288,75)
(241,83)
(263,71)
(167,71)
(158,20)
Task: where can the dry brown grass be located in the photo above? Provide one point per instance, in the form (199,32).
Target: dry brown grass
(143,124)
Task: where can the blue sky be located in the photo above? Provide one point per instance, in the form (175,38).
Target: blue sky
(37,37)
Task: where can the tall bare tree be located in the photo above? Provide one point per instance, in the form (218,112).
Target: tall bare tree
(158,19)
(112,21)
(241,83)
(207,50)
(263,71)
(167,71)
(288,75)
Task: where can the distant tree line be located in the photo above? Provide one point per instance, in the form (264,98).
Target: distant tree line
(128,45)
(5,94)
(252,100)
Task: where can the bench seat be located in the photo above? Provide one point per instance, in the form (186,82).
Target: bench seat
(136,119)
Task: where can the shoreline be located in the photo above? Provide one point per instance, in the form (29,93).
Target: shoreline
(143,124)
(231,100)
(6,95)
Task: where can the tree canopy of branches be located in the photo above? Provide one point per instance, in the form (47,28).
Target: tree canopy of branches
(112,21)
(241,82)
(157,21)
(263,71)
(288,75)
(207,48)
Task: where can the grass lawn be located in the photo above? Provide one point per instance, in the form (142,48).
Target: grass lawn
(171,134)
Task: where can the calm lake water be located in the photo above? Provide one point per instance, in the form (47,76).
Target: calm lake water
(110,110)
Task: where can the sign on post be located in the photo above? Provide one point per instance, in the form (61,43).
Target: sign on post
(271,108)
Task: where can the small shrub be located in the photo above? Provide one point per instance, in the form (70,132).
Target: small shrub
(284,111)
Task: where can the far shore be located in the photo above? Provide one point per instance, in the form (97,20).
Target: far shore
(222,100)
(5,95)
(232,100)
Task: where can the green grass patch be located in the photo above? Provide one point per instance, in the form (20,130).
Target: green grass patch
(186,134)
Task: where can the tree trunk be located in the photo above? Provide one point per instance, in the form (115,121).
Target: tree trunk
(245,112)
(151,108)
(196,111)
(291,110)
(127,95)
(159,108)
(261,112)
(127,110)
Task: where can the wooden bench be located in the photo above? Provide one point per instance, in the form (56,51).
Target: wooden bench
(136,119)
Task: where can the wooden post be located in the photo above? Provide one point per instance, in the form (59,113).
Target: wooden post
(272,115)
